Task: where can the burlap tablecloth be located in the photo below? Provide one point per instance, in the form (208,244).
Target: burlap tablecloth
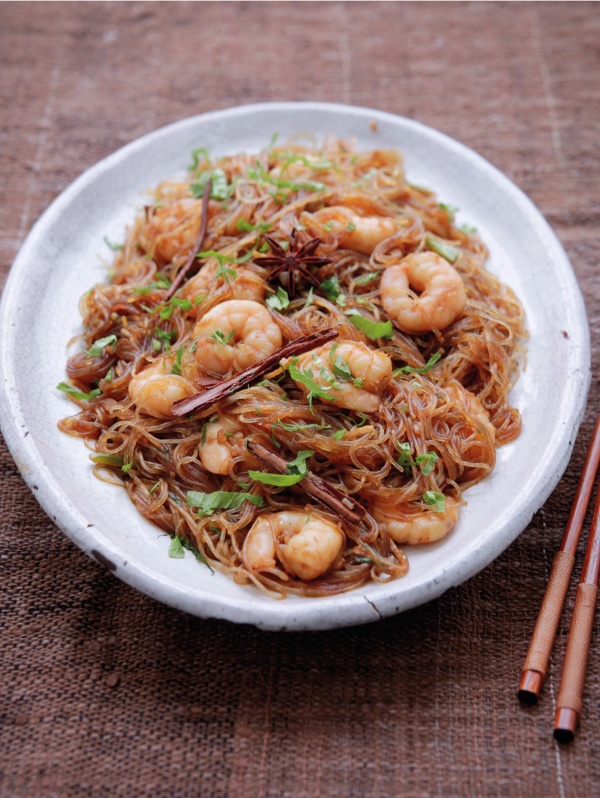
(105,692)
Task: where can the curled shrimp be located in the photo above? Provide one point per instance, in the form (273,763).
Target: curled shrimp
(154,389)
(355,232)
(223,440)
(413,528)
(441,293)
(305,543)
(173,228)
(245,284)
(350,372)
(234,335)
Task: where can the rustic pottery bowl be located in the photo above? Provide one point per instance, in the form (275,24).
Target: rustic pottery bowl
(65,254)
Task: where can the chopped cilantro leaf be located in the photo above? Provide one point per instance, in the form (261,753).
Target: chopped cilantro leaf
(278,480)
(279,300)
(176,549)
(333,291)
(207,503)
(415,369)
(305,378)
(298,465)
(97,348)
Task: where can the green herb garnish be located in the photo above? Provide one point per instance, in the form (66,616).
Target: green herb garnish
(296,427)
(160,283)
(177,364)
(306,379)
(365,279)
(415,369)
(435,498)
(163,339)
(333,291)
(108,459)
(166,311)
(426,462)
(246,227)
(298,465)
(221,338)
(97,348)
(279,300)
(278,480)
(199,151)
(372,329)
(84,397)
(207,503)
(450,210)
(220,189)
(447,251)
(112,245)
(176,549)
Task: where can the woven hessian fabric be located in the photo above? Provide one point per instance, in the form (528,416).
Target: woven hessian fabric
(105,692)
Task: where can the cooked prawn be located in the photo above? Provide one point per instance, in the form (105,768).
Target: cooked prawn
(306,543)
(441,291)
(350,372)
(244,284)
(155,388)
(358,233)
(173,228)
(234,335)
(222,442)
(413,529)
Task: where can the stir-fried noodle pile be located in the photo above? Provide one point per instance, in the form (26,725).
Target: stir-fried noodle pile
(308,474)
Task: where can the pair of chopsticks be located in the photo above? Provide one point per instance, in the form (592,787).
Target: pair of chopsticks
(569,702)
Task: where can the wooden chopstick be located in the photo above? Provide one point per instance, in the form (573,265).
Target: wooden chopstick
(569,701)
(544,634)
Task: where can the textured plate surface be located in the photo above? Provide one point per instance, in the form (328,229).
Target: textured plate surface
(63,256)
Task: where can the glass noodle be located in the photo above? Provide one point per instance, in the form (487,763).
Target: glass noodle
(427,430)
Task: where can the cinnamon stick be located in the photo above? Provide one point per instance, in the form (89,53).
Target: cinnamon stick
(197,245)
(225,388)
(347,507)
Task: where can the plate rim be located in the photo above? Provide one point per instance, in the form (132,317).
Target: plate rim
(350,608)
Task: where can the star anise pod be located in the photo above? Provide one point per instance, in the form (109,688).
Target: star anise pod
(295,261)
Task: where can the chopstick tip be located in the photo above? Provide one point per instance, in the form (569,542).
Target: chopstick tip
(565,724)
(529,689)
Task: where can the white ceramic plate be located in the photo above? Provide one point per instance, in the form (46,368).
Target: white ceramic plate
(62,258)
